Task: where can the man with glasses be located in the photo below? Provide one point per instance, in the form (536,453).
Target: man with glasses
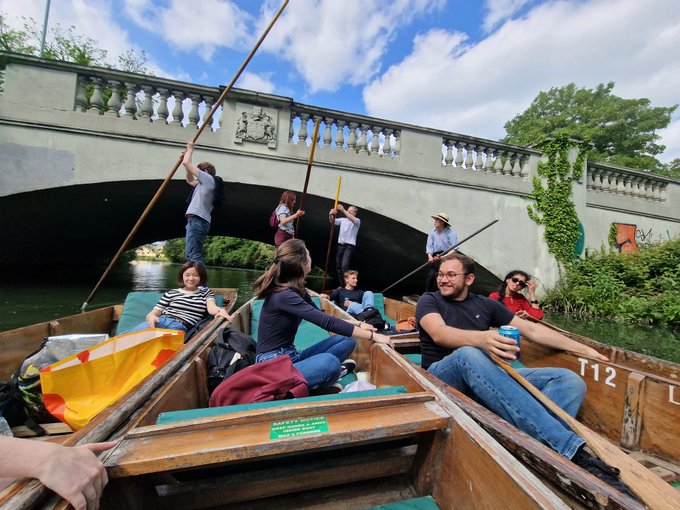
(457,345)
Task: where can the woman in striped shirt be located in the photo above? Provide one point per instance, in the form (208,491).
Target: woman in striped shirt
(183,308)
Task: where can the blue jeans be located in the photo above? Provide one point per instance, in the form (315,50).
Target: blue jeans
(367,301)
(472,372)
(164,322)
(320,363)
(197,229)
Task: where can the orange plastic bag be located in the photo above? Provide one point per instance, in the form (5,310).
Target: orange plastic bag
(77,388)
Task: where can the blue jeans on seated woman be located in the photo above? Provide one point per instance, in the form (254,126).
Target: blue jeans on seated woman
(473,373)
(164,322)
(320,363)
(367,301)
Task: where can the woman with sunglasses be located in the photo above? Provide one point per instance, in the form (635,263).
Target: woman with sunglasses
(510,294)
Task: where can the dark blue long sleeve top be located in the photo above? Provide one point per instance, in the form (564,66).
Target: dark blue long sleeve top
(281,315)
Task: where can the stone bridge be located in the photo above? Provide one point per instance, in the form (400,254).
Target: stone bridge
(83,150)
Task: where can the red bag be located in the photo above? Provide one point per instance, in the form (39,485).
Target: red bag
(276,379)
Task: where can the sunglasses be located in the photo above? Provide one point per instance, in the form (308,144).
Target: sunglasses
(521,283)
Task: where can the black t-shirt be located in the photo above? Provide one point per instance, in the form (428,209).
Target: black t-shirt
(339,295)
(474,313)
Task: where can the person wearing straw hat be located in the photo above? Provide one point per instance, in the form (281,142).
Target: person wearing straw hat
(442,238)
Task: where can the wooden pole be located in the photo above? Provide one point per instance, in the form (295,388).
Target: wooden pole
(315,136)
(450,251)
(330,238)
(162,187)
(651,489)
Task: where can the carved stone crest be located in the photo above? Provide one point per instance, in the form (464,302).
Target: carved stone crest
(256,126)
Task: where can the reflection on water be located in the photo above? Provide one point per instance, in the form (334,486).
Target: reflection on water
(57,294)
(51,295)
(656,342)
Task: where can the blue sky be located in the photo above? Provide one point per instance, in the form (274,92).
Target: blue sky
(460,65)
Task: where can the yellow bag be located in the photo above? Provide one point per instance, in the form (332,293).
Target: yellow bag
(77,388)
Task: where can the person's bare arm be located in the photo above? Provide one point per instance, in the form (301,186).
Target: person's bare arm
(153,316)
(215,310)
(489,341)
(191,168)
(347,214)
(75,473)
(551,338)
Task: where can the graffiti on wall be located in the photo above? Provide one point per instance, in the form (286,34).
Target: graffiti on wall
(627,238)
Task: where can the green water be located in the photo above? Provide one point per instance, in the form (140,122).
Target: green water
(656,342)
(51,295)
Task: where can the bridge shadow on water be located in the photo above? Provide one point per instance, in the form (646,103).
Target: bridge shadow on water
(85,226)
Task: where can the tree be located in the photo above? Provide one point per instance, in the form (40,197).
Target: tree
(622,131)
(65,44)
(671,169)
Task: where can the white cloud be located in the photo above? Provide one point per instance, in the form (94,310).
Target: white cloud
(451,84)
(202,26)
(256,82)
(497,11)
(331,43)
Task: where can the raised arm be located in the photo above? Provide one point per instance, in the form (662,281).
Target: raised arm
(347,214)
(191,168)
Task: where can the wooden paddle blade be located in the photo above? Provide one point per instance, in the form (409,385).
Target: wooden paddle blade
(650,488)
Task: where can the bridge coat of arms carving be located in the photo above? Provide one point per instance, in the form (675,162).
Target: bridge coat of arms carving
(256,126)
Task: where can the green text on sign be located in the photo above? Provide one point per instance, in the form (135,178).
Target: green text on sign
(299,427)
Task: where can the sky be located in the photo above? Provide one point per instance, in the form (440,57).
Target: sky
(466,66)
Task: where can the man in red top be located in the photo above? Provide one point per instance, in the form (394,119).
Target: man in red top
(510,294)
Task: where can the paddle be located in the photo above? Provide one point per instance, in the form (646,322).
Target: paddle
(206,122)
(315,137)
(330,238)
(652,490)
(447,253)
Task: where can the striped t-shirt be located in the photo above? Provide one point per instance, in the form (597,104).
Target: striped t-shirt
(187,306)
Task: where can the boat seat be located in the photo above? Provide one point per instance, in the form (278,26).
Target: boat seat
(137,305)
(191,414)
(424,503)
(416,359)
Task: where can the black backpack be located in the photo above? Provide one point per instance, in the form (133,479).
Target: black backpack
(372,316)
(219,196)
(230,354)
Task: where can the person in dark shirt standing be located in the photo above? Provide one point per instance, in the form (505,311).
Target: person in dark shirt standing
(351,298)
(286,304)
(202,178)
(457,345)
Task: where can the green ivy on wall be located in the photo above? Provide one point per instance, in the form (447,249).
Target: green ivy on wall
(553,206)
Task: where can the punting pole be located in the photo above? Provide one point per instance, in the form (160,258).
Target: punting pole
(162,187)
(315,136)
(450,251)
(330,238)
(655,493)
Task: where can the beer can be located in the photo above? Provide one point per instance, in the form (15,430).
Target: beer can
(510,332)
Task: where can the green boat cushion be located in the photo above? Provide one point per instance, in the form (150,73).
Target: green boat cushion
(191,414)
(424,503)
(137,305)
(417,359)
(380,306)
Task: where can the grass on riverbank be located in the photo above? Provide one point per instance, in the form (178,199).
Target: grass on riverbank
(639,287)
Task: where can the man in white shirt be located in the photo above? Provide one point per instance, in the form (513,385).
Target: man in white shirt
(440,240)
(347,237)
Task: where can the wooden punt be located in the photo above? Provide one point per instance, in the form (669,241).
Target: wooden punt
(366,450)
(633,400)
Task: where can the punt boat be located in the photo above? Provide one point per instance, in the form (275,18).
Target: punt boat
(633,400)
(402,443)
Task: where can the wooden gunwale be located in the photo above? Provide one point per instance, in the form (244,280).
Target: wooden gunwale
(634,401)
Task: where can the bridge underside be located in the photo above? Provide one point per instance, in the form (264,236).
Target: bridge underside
(86,225)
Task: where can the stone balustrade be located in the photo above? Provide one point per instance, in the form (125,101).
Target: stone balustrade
(485,156)
(344,131)
(615,180)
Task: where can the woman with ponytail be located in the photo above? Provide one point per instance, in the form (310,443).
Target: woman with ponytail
(510,294)
(286,304)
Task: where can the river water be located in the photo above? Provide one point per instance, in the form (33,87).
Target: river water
(51,295)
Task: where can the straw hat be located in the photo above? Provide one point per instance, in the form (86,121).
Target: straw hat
(442,216)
